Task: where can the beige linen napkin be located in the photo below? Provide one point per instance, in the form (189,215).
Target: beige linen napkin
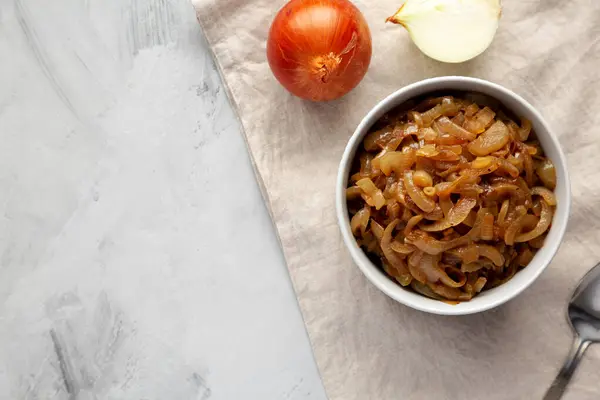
(366,345)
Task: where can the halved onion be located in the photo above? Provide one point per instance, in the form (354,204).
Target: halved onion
(450,30)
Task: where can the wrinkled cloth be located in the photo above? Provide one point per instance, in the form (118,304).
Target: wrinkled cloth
(366,345)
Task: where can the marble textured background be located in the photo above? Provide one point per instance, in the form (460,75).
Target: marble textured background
(137,258)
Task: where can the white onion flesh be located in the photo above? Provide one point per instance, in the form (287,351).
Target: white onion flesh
(451,31)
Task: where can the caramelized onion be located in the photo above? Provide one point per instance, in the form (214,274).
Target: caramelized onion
(377,230)
(425,290)
(503,212)
(447,292)
(360,220)
(467,254)
(537,242)
(545,170)
(541,227)
(482,120)
(449,281)
(528,168)
(376,140)
(525,130)
(491,253)
(429,245)
(421,200)
(373,196)
(422,178)
(487,227)
(545,193)
(414,267)
(402,248)
(456,216)
(470,201)
(525,257)
(493,139)
(450,128)
(479,284)
(514,228)
(393,258)
(353,192)
(412,222)
(397,162)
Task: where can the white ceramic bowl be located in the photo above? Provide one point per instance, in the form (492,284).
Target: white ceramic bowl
(489,298)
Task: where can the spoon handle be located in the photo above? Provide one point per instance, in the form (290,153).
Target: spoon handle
(559,385)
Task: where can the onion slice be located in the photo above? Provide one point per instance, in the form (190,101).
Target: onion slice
(545,193)
(495,138)
(393,258)
(451,31)
(373,196)
(421,200)
(547,174)
(456,215)
(541,227)
(360,220)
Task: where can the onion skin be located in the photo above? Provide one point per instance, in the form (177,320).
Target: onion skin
(319,50)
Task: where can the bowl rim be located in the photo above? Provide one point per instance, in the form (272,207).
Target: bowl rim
(372,272)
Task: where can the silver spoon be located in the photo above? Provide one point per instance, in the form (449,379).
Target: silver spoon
(584,316)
